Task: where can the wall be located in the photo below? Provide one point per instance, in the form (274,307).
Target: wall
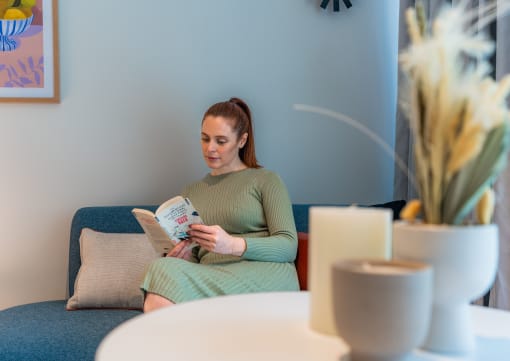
(136,80)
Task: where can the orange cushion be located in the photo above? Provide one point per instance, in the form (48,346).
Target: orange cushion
(302,260)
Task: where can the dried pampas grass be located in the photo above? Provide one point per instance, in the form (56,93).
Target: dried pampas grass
(458,113)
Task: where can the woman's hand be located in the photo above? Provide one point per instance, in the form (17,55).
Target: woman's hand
(181,250)
(215,239)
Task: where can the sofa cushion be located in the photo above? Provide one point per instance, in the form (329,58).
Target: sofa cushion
(112,268)
(107,219)
(45,331)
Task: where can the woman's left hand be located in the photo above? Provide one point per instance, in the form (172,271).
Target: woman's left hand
(215,239)
(181,250)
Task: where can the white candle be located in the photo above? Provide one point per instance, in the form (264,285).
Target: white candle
(341,233)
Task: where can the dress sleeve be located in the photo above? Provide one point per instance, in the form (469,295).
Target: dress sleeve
(281,244)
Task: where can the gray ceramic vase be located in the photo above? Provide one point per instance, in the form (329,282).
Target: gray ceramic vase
(382,308)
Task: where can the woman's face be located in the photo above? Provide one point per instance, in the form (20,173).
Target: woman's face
(220,145)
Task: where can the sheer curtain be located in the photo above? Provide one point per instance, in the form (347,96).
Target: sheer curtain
(403,189)
(500,293)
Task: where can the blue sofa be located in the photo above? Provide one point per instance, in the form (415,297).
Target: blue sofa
(45,331)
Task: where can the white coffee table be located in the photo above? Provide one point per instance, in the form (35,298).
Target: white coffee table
(261,327)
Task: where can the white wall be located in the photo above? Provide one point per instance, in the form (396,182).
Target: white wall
(136,79)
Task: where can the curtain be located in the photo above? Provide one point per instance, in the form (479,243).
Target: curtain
(500,292)
(403,189)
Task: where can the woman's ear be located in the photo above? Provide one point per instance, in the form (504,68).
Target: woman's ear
(243,140)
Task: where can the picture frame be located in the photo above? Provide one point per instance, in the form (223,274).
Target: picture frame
(29,52)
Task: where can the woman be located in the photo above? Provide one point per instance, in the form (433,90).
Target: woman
(248,242)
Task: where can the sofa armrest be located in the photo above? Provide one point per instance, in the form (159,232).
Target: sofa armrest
(302,260)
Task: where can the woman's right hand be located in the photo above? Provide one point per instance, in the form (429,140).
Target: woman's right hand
(181,250)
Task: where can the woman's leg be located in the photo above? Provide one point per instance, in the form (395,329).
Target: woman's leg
(153,302)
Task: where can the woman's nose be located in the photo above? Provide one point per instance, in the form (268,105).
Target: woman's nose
(211,147)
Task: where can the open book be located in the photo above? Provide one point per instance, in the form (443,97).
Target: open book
(169,224)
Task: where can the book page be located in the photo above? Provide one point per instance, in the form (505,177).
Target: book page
(155,233)
(168,203)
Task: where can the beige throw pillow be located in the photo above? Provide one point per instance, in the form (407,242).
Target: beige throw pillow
(112,268)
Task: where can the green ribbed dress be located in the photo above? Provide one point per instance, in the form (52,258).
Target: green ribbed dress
(253,204)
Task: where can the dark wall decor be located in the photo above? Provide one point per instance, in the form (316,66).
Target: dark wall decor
(336,4)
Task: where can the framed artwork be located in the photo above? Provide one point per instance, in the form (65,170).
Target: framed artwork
(29,66)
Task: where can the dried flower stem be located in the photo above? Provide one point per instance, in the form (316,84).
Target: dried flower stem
(457,112)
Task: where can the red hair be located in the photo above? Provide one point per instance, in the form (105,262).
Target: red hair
(238,112)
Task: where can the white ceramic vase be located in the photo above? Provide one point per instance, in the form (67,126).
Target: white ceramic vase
(464,260)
